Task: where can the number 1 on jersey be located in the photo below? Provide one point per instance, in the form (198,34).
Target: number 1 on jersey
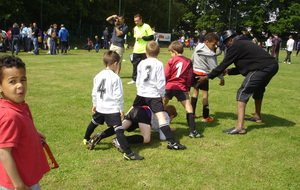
(179,68)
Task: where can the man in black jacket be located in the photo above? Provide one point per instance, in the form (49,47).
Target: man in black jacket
(255,64)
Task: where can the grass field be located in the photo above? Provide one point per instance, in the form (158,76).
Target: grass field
(268,157)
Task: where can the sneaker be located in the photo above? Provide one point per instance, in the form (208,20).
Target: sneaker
(131,82)
(208,119)
(283,62)
(116,144)
(133,156)
(195,134)
(94,141)
(85,141)
(289,63)
(176,146)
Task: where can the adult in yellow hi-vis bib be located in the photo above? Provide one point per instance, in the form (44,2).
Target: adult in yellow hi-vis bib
(142,34)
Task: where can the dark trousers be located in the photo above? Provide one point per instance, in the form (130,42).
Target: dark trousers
(288,56)
(136,59)
(64,46)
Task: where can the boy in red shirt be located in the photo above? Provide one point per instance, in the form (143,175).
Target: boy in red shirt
(179,77)
(22,159)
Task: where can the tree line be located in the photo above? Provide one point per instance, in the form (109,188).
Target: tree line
(260,17)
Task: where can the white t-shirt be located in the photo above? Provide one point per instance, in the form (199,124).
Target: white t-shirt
(107,94)
(151,80)
(290,44)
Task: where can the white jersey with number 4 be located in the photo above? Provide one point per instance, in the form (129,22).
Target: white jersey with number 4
(151,80)
(107,92)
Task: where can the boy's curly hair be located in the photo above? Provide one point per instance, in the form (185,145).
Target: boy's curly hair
(8,61)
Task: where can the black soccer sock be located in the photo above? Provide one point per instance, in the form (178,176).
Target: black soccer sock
(205,111)
(89,130)
(107,133)
(135,139)
(191,121)
(194,104)
(165,128)
(122,139)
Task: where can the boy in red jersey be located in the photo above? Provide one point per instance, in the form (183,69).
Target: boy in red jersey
(179,77)
(22,159)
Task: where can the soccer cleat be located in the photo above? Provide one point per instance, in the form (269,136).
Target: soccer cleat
(116,144)
(208,119)
(85,142)
(133,156)
(176,146)
(94,141)
(195,134)
(131,82)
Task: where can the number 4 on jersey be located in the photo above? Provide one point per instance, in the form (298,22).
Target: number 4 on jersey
(101,88)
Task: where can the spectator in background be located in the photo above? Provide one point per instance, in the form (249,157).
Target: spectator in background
(9,38)
(35,33)
(53,40)
(63,35)
(202,36)
(29,37)
(118,35)
(289,49)
(269,44)
(24,36)
(298,47)
(15,33)
(3,40)
(276,42)
(105,36)
(89,45)
(97,44)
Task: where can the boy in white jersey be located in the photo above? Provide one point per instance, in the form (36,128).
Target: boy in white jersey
(108,102)
(150,85)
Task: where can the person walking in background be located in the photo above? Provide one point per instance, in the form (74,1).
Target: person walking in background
(118,36)
(143,34)
(63,35)
(97,44)
(289,49)
(276,43)
(35,33)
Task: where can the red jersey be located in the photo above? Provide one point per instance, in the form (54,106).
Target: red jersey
(179,74)
(18,132)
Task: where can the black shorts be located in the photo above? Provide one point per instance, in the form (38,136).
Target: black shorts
(138,115)
(255,83)
(155,104)
(112,119)
(203,86)
(179,94)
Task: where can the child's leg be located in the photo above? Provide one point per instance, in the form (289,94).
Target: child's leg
(146,132)
(205,110)
(189,115)
(90,129)
(164,126)
(194,99)
(122,139)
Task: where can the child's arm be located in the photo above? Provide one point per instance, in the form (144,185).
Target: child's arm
(10,166)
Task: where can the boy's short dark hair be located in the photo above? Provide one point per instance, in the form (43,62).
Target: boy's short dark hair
(171,110)
(110,57)
(176,46)
(138,15)
(211,37)
(152,48)
(8,61)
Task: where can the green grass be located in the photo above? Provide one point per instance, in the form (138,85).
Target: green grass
(267,157)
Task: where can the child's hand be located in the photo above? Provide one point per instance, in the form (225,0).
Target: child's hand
(42,137)
(222,82)
(225,72)
(94,109)
(122,114)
